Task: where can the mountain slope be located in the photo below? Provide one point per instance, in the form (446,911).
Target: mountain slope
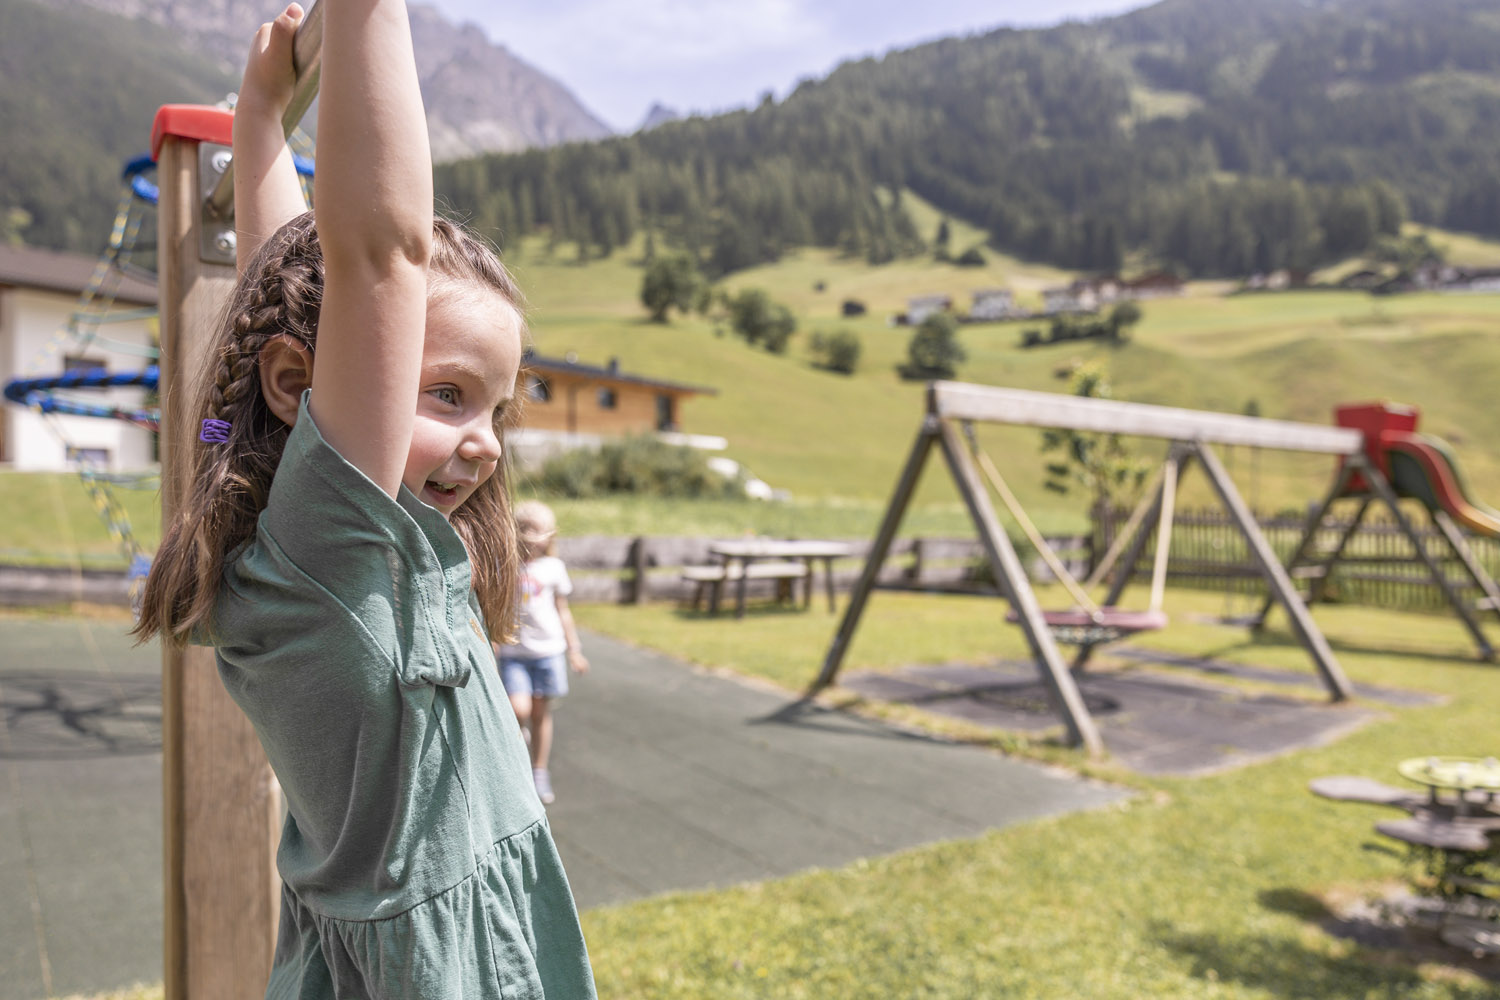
(1216,137)
(479,96)
(80,91)
(83,78)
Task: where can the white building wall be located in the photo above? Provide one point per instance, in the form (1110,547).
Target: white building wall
(29,324)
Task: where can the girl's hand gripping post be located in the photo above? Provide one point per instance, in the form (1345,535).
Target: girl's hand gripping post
(267,192)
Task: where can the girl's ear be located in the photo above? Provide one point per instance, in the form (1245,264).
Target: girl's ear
(285,371)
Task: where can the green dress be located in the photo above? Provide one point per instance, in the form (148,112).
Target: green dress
(416,860)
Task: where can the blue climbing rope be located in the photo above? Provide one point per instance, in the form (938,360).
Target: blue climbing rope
(40,393)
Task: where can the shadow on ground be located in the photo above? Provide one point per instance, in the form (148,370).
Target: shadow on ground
(50,716)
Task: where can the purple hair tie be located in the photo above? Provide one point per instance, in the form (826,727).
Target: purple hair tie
(214,431)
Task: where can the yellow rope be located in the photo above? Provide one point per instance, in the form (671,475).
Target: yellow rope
(1032,534)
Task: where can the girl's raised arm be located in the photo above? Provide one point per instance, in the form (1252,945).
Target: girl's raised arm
(267,192)
(373,192)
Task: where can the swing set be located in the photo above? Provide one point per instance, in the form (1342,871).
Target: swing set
(952,409)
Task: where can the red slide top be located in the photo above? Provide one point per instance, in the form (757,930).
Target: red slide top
(200,122)
(1380,423)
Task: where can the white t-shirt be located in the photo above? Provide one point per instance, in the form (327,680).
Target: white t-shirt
(540,633)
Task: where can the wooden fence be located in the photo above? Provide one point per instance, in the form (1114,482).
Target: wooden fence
(1378,568)
(607,568)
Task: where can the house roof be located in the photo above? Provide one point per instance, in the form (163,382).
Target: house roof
(607,373)
(69,273)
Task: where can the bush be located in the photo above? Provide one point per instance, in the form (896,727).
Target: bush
(639,465)
(761,321)
(852,307)
(934,350)
(671,280)
(971,257)
(838,351)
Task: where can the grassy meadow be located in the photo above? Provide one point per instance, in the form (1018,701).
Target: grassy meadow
(821,435)
(836,443)
(1235,885)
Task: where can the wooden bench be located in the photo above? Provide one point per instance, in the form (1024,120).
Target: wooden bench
(711,579)
(1437,834)
(1345,788)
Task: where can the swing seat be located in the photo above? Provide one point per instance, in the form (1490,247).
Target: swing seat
(1079,628)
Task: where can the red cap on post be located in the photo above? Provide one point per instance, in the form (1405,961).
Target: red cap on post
(201,122)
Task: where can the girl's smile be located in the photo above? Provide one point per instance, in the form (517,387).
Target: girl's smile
(470,356)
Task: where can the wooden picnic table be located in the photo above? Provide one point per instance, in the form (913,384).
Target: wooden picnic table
(1460,775)
(746,552)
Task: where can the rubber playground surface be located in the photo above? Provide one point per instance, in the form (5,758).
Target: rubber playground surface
(667,779)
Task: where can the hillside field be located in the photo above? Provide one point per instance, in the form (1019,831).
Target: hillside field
(836,443)
(824,436)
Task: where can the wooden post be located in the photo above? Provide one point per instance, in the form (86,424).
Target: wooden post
(1382,488)
(1460,547)
(219,802)
(1277,579)
(894,511)
(1305,543)
(638,563)
(1011,576)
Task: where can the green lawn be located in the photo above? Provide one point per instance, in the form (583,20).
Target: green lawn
(50,520)
(1206,887)
(1210,887)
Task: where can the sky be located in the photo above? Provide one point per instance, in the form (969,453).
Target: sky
(621,56)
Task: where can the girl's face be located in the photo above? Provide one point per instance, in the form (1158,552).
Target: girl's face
(470,356)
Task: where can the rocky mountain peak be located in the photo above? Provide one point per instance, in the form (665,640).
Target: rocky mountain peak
(480,97)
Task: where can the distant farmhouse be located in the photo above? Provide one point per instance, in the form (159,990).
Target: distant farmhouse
(570,404)
(1430,277)
(39,293)
(1087,295)
(991,304)
(1278,280)
(919,307)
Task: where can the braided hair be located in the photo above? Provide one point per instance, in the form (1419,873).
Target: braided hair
(280,295)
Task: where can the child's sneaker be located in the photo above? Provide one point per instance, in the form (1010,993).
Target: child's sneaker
(543,782)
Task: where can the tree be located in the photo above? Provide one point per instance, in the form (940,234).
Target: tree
(672,279)
(941,240)
(761,321)
(934,350)
(1101,463)
(838,351)
(1121,318)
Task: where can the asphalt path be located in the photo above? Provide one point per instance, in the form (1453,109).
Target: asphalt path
(668,778)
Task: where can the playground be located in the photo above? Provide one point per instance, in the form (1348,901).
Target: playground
(699,798)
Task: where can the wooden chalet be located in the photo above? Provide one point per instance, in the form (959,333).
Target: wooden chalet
(565,396)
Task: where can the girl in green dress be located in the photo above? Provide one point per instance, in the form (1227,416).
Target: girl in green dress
(347,547)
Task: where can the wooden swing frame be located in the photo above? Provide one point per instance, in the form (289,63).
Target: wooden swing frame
(1191,433)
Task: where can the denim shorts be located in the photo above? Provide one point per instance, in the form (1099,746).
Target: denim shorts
(544,678)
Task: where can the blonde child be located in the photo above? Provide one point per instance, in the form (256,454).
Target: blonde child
(346,543)
(533,667)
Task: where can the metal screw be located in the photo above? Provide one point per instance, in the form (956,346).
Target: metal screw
(221,160)
(225,241)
